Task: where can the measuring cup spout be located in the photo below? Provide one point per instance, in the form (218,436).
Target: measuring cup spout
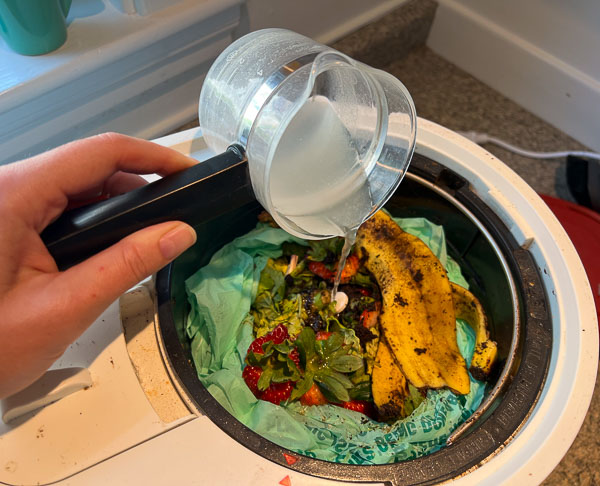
(325,61)
(315,126)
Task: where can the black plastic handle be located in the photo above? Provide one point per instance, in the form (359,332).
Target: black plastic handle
(197,194)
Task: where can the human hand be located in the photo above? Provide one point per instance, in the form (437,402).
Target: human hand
(43,310)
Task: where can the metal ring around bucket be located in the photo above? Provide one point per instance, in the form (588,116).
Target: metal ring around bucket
(265,90)
(508,365)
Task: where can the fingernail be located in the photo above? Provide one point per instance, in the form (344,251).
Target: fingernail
(176,241)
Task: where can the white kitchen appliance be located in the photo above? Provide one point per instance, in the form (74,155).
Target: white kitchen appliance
(129,420)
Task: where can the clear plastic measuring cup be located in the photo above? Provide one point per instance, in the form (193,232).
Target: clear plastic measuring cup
(316,126)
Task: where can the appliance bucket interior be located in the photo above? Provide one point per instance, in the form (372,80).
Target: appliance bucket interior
(500,273)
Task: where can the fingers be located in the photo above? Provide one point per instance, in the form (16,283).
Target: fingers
(48,180)
(79,165)
(89,287)
(122,182)
(47,311)
(118,183)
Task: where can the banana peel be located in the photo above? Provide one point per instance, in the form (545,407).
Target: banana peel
(469,309)
(393,396)
(389,385)
(418,320)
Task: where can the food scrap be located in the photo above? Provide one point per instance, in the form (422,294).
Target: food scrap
(387,338)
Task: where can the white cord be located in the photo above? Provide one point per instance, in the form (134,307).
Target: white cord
(480,138)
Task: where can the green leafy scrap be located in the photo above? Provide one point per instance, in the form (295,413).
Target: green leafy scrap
(335,364)
(276,364)
(321,249)
(272,281)
(290,248)
(329,363)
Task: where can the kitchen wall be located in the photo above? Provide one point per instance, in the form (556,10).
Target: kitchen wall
(543,54)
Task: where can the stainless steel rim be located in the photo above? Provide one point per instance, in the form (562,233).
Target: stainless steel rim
(265,90)
(504,376)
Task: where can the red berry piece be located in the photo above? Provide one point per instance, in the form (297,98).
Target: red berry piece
(279,334)
(251,375)
(320,270)
(350,268)
(295,357)
(360,406)
(277,392)
(257,344)
(323,335)
(314,396)
(369,318)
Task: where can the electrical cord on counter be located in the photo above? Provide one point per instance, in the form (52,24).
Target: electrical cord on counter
(480,138)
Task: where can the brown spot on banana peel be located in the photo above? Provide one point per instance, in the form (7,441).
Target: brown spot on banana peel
(400,301)
(418,276)
(429,305)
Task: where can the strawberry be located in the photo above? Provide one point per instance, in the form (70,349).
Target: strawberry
(277,392)
(257,344)
(360,406)
(251,375)
(295,357)
(369,318)
(323,335)
(350,268)
(320,270)
(257,361)
(277,335)
(314,396)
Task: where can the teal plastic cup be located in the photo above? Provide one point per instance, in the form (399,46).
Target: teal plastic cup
(34,27)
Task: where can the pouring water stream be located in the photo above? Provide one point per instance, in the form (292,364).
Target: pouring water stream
(317,181)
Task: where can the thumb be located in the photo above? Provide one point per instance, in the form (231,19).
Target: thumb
(94,284)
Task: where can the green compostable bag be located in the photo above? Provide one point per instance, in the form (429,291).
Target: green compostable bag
(219,328)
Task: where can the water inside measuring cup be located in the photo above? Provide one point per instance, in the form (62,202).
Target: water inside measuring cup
(317,180)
